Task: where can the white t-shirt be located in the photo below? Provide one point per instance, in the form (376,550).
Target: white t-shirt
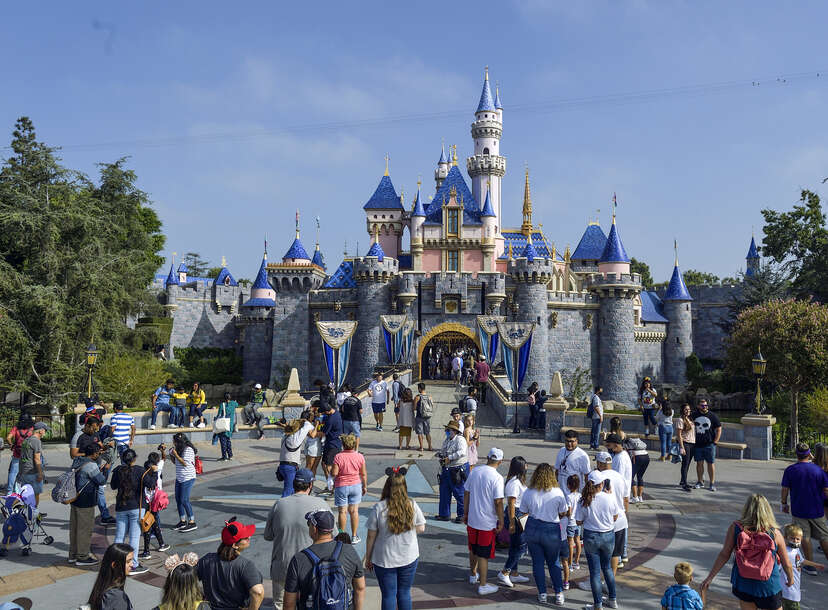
(598,516)
(572,498)
(544,505)
(379,392)
(393,550)
(514,489)
(621,463)
(295,440)
(340,398)
(618,485)
(457,363)
(597,406)
(149,494)
(572,462)
(485,486)
(794,592)
(471,404)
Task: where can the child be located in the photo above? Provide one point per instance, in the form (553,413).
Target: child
(179,407)
(791,595)
(155,463)
(573,532)
(472,437)
(680,596)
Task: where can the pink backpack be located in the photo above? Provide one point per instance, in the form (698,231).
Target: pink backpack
(755,554)
(160,501)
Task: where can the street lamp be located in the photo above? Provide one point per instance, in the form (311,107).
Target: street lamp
(91,357)
(759,364)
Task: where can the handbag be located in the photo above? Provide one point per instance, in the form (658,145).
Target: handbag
(148,519)
(199,467)
(160,500)
(221,424)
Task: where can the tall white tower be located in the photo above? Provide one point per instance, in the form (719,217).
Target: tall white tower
(487,167)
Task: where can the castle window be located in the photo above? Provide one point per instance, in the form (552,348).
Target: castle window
(485,151)
(687,307)
(452,257)
(452,222)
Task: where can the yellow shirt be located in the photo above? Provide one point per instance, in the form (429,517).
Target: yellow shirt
(197,398)
(180,399)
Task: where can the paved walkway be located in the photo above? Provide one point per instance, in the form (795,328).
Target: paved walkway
(670,526)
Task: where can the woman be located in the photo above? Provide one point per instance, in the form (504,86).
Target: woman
(18,433)
(296,431)
(183,455)
(686,434)
(821,460)
(532,401)
(350,483)
(227,409)
(182,591)
(515,487)
(616,427)
(472,437)
(664,417)
(391,549)
(597,511)
(229,579)
(313,445)
(545,504)
(128,479)
(757,518)
(154,464)
(640,459)
(197,401)
(108,590)
(406,418)
(647,403)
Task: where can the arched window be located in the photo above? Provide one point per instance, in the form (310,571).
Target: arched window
(485,151)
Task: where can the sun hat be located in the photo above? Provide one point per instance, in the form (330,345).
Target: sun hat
(453,425)
(234,531)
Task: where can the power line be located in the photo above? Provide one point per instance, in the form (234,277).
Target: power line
(543,107)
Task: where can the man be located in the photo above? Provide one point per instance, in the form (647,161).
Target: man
(481,377)
(90,434)
(470,401)
(197,402)
(571,460)
(123,425)
(287,528)
(88,477)
(807,484)
(299,580)
(456,368)
(397,388)
(483,498)
(332,430)
(31,461)
(454,459)
(379,396)
(231,580)
(457,416)
(161,400)
(708,431)
(296,431)
(251,413)
(622,464)
(351,411)
(423,408)
(618,487)
(596,413)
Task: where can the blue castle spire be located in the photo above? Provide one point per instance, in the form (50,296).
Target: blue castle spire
(487,205)
(486,101)
(614,251)
(261,277)
(376,249)
(752,258)
(172,277)
(419,209)
(318,259)
(677,289)
(443,158)
(497,103)
(529,252)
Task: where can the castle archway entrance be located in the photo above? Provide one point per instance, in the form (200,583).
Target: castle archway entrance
(438,346)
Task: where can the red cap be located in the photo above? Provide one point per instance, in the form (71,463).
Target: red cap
(234,531)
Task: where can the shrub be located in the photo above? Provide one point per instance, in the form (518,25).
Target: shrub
(130,378)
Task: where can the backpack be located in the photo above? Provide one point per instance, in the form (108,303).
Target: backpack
(754,554)
(634,444)
(160,501)
(400,388)
(65,490)
(19,437)
(330,590)
(591,409)
(462,404)
(426,407)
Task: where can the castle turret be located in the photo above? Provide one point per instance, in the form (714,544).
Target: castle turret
(418,217)
(614,258)
(261,293)
(171,286)
(752,258)
(679,342)
(442,168)
(182,273)
(487,167)
(384,213)
(488,242)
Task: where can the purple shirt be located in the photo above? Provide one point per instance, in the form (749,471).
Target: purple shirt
(807,483)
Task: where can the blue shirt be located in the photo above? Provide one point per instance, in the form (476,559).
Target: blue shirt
(333,430)
(163,395)
(681,597)
(807,483)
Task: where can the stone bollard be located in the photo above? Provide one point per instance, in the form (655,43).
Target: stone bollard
(759,436)
(293,404)
(556,406)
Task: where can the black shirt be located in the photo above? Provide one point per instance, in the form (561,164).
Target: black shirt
(299,578)
(127,480)
(227,584)
(350,409)
(706,425)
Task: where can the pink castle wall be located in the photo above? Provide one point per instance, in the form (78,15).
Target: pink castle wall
(472,260)
(432,260)
(614,267)
(389,244)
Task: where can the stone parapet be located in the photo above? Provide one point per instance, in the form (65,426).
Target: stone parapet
(494,165)
(759,436)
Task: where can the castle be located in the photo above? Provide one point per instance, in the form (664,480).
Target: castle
(590,310)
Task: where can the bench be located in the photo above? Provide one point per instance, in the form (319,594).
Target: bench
(653,444)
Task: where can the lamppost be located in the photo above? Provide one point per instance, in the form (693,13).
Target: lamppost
(759,364)
(91,357)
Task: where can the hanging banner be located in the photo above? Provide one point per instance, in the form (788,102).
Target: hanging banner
(336,348)
(392,332)
(488,335)
(516,339)
(408,341)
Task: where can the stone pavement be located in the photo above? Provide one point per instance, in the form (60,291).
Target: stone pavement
(670,526)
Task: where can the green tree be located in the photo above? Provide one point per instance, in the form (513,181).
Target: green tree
(131,378)
(699,278)
(78,257)
(637,266)
(798,241)
(693,369)
(794,339)
(213,272)
(196,266)
(768,283)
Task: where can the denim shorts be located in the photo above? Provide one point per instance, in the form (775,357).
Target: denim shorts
(351,427)
(705,454)
(348,495)
(573,530)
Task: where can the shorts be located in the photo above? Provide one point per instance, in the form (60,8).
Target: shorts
(378,407)
(482,542)
(813,528)
(328,455)
(573,530)
(348,495)
(771,602)
(405,431)
(313,447)
(351,427)
(705,454)
(620,540)
(422,425)
(31,479)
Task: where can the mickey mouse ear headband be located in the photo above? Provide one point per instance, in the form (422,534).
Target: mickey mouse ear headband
(173,561)
(401,470)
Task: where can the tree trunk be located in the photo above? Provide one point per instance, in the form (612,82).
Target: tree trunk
(794,419)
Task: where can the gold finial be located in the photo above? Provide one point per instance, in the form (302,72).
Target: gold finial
(173,258)
(614,205)
(387,159)
(297,224)
(376,233)
(419,181)
(454,155)
(345,249)
(223,261)
(597,221)
(526,227)
(510,250)
(402,195)
(567,254)
(487,72)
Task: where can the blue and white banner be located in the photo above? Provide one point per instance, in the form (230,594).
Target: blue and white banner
(488,335)
(408,341)
(516,338)
(336,348)
(393,327)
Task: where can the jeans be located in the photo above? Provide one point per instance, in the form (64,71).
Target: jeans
(126,521)
(517,545)
(665,435)
(102,502)
(253,416)
(544,541)
(395,585)
(158,408)
(689,449)
(14,469)
(155,530)
(288,472)
(197,410)
(182,499)
(598,547)
(226,445)
(649,418)
(534,416)
(595,434)
(449,489)
(177,415)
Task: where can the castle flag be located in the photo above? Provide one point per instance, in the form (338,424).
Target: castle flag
(336,348)
(488,335)
(516,339)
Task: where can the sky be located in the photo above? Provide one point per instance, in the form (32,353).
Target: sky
(697,114)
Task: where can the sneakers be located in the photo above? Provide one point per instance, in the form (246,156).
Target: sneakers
(686,487)
(139,569)
(559,599)
(192,425)
(222,459)
(179,525)
(441,518)
(634,500)
(201,425)
(566,585)
(152,426)
(164,547)
(809,570)
(396,429)
(457,520)
(474,579)
(72,560)
(612,603)
(486,589)
(191,526)
(108,521)
(712,487)
(89,560)
(518,578)
(575,566)
(698,485)
(379,428)
(356,540)
(504,580)
(541,598)
(145,555)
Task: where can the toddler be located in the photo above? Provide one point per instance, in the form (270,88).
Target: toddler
(680,596)
(571,551)
(791,595)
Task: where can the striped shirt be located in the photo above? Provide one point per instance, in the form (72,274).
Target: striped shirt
(123,423)
(186,471)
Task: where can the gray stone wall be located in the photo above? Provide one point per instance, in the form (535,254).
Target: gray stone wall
(573,335)
(648,358)
(256,346)
(617,345)
(204,316)
(291,322)
(679,342)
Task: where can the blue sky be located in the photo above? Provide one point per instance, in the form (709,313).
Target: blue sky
(234,116)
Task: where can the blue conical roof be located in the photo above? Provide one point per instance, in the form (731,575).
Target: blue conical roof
(498,105)
(487,205)
(529,252)
(261,278)
(223,275)
(419,209)
(677,290)
(486,101)
(614,251)
(443,158)
(592,244)
(182,268)
(752,251)
(297,250)
(384,198)
(172,278)
(376,250)
(318,259)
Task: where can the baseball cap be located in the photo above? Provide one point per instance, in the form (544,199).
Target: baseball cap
(234,531)
(456,411)
(495,454)
(258,386)
(323,520)
(603,457)
(596,477)
(303,475)
(612,438)
(40,426)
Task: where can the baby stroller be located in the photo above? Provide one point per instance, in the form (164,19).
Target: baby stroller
(21,521)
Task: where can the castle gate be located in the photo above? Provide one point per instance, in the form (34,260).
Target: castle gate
(438,345)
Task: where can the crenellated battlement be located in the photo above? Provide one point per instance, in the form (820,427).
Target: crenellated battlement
(371,269)
(486,164)
(539,270)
